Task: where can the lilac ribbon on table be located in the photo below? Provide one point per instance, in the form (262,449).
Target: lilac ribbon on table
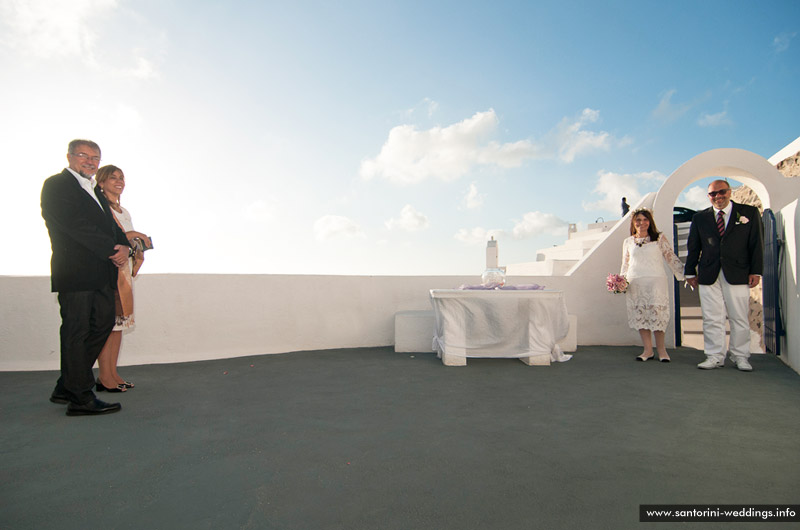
(498,287)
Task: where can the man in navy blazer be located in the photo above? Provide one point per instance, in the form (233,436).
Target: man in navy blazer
(88,248)
(726,259)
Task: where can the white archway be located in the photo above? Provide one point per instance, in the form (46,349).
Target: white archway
(774,190)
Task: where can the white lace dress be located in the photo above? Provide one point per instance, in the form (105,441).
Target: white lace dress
(124,218)
(648,285)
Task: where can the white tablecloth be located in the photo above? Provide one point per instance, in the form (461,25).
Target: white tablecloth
(518,324)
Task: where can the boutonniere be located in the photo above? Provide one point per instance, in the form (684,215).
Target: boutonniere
(741,219)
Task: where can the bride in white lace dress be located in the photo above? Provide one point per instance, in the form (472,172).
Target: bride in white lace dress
(643,256)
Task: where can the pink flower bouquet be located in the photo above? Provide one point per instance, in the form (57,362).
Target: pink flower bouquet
(616,284)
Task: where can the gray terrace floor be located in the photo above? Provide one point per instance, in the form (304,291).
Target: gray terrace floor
(373,439)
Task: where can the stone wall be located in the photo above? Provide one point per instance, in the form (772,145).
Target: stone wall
(790,167)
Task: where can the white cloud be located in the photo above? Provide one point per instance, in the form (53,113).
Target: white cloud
(432,107)
(427,106)
(410,220)
(612,187)
(538,223)
(511,154)
(47,28)
(477,235)
(667,110)
(52,29)
(260,211)
(473,199)
(410,155)
(781,42)
(714,120)
(695,198)
(127,118)
(330,227)
(572,139)
(144,69)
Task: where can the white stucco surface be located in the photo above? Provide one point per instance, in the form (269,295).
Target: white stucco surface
(789,220)
(190,317)
(198,317)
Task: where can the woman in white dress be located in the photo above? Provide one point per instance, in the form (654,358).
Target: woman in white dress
(111,180)
(643,256)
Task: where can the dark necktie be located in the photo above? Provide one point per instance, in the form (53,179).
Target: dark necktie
(720,223)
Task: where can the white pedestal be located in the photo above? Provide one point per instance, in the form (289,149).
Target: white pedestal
(570,342)
(414,331)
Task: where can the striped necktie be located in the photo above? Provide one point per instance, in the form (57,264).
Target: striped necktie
(721,222)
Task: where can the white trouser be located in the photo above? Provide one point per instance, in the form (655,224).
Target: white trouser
(715,301)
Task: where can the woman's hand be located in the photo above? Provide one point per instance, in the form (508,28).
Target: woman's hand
(133,234)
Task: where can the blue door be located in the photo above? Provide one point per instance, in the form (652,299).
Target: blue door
(773,327)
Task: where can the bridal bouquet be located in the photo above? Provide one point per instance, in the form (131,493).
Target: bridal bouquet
(616,284)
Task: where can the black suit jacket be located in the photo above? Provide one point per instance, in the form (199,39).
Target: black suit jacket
(739,252)
(82,235)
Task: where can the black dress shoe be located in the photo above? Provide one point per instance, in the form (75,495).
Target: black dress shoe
(94,407)
(61,399)
(102,388)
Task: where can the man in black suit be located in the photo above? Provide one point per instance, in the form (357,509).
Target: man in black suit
(88,248)
(726,237)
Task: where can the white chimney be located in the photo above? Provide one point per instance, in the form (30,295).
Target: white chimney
(491,254)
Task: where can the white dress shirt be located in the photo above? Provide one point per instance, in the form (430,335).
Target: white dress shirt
(726,213)
(87,184)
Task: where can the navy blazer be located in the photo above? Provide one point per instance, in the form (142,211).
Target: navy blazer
(82,235)
(739,252)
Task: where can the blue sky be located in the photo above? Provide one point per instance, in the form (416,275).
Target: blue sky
(380,137)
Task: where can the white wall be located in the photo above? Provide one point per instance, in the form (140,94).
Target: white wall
(198,317)
(789,219)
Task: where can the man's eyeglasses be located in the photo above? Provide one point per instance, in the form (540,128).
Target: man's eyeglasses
(84,156)
(713,194)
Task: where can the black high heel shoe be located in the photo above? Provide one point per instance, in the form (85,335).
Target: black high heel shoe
(101,388)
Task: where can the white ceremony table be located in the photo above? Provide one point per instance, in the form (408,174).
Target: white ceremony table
(523,324)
